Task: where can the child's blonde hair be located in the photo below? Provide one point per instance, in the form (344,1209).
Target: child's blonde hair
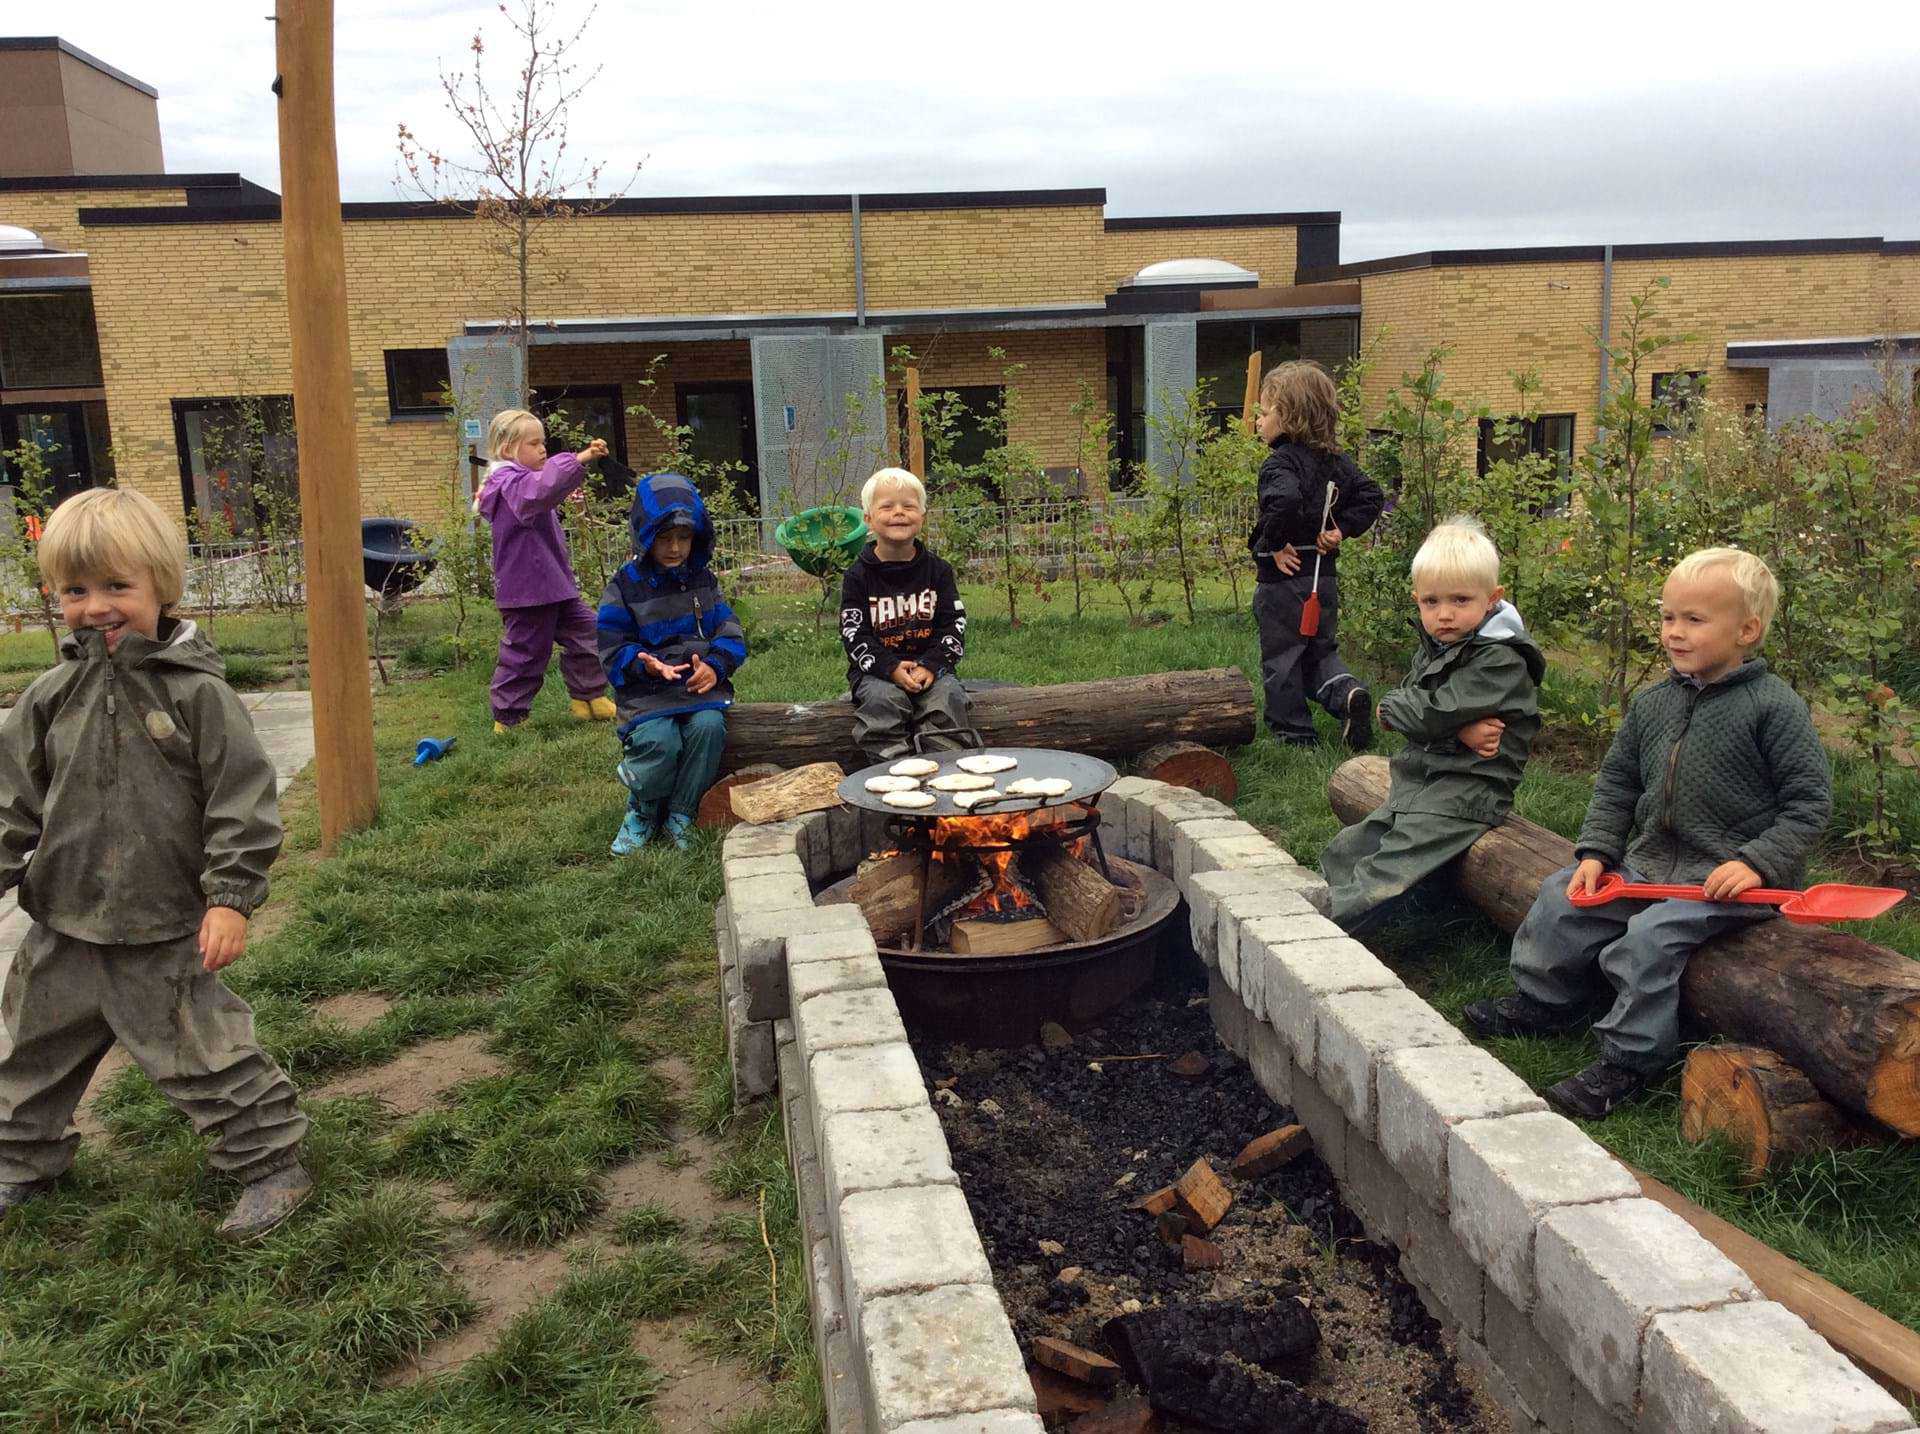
(505,430)
(1302,394)
(1458,552)
(1759,590)
(892,478)
(114,532)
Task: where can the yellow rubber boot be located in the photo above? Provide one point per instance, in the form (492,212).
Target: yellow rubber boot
(501,729)
(579,710)
(603,709)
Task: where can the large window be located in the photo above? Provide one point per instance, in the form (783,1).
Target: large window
(47,340)
(575,413)
(239,465)
(1674,395)
(971,417)
(1223,346)
(417,383)
(1549,436)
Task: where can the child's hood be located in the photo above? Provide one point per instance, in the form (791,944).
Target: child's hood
(179,645)
(1504,624)
(499,471)
(654,497)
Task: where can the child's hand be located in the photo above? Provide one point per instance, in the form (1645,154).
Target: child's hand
(660,669)
(1329,540)
(595,449)
(912,677)
(703,678)
(1287,560)
(1482,738)
(1586,876)
(223,937)
(1729,879)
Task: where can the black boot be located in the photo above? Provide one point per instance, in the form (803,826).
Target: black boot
(1519,1015)
(266,1202)
(1595,1091)
(1356,725)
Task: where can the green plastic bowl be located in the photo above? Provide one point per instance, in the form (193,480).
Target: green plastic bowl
(822,541)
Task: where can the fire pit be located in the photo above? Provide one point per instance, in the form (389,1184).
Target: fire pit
(993,920)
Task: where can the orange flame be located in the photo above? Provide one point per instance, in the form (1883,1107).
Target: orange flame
(953,838)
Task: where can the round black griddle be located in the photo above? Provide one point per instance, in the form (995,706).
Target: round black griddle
(1090,777)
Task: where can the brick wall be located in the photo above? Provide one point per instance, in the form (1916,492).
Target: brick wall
(628,366)
(1270,251)
(51,213)
(981,258)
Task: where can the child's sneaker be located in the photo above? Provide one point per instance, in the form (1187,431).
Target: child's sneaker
(1519,1015)
(679,829)
(603,709)
(1356,726)
(1594,1092)
(266,1202)
(635,832)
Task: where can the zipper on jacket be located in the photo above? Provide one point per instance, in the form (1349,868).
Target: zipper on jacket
(1673,758)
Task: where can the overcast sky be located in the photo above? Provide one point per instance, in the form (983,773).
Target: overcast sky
(1427,125)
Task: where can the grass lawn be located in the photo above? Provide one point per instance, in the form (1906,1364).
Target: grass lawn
(485,911)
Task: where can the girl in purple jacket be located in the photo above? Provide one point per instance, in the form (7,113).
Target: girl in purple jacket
(533,583)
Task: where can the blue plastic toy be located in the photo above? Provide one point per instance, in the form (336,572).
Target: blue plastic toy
(431,749)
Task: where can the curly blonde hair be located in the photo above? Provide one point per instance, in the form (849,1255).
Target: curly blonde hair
(1302,394)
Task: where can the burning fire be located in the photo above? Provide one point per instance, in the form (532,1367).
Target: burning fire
(956,839)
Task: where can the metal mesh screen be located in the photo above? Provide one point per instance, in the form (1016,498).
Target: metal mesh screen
(1172,359)
(820,401)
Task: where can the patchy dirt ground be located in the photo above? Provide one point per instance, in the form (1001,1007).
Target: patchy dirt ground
(1054,1146)
(415,1079)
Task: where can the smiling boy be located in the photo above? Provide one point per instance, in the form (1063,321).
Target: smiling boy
(904,627)
(1469,710)
(1716,778)
(137,814)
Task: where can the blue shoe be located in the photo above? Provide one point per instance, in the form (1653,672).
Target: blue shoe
(635,832)
(679,830)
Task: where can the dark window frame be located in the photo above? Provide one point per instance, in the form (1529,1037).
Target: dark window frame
(397,409)
(999,390)
(1657,392)
(189,500)
(1537,446)
(746,484)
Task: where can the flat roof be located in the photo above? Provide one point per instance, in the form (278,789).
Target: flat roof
(1758,353)
(29,183)
(1223,221)
(54,42)
(1622,253)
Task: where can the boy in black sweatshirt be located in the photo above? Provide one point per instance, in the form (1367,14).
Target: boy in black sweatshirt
(1299,411)
(904,628)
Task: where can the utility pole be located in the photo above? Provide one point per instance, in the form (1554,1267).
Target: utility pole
(323,415)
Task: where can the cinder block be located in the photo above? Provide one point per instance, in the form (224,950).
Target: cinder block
(1603,1271)
(1188,834)
(847,938)
(1587,1416)
(878,1077)
(1230,1018)
(1423,1093)
(1324,1120)
(1272,1064)
(772,892)
(1287,965)
(915,1238)
(1504,1175)
(843,840)
(752,1054)
(1202,893)
(853,973)
(1375,1191)
(1539,1375)
(848,1018)
(747,840)
(991,1421)
(761,937)
(1240,907)
(785,866)
(1170,812)
(1755,1366)
(1355,1029)
(934,1353)
(1238,854)
(1476,1357)
(1433,1258)
(1139,826)
(816,846)
(841,1387)
(883,1150)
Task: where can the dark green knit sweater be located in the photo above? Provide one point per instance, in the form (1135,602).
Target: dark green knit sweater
(1698,776)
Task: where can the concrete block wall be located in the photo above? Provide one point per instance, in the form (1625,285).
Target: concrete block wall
(1584,1308)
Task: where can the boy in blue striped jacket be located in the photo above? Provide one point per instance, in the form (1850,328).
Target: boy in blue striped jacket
(670,645)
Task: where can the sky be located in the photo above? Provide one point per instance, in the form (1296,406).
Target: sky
(1429,125)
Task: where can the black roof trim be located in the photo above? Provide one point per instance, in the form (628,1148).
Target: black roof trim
(1745,350)
(66,47)
(30,183)
(1594,253)
(986,199)
(181,214)
(1901,246)
(1224,221)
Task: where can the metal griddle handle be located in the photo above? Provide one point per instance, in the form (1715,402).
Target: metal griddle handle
(919,740)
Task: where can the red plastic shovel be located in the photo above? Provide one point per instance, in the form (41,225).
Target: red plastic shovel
(1829,901)
(1310,609)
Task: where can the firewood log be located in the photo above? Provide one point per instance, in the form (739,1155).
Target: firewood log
(1766,1108)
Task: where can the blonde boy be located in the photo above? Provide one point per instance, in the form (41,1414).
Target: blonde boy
(1717,779)
(904,627)
(137,815)
(1469,711)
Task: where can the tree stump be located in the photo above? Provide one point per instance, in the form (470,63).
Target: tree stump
(1766,1108)
(1188,764)
(716,806)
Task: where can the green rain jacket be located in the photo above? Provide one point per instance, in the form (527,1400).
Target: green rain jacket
(1697,776)
(133,791)
(1494,671)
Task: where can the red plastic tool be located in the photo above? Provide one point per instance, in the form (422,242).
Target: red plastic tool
(1817,905)
(1310,609)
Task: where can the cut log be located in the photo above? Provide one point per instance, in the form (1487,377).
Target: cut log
(806,789)
(1075,1362)
(1080,901)
(887,891)
(977,936)
(716,806)
(1842,1010)
(1201,1197)
(1766,1108)
(1188,764)
(1114,718)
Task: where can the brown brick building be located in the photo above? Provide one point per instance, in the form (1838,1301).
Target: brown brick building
(137,307)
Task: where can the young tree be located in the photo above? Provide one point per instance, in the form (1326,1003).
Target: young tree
(520,173)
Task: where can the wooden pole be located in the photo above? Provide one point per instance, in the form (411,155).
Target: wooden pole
(916,439)
(1252,400)
(323,414)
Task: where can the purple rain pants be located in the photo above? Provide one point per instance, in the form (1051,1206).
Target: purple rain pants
(526,646)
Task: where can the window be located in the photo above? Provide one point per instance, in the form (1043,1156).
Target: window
(1222,348)
(47,340)
(417,382)
(970,417)
(1674,394)
(575,413)
(239,464)
(1548,436)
